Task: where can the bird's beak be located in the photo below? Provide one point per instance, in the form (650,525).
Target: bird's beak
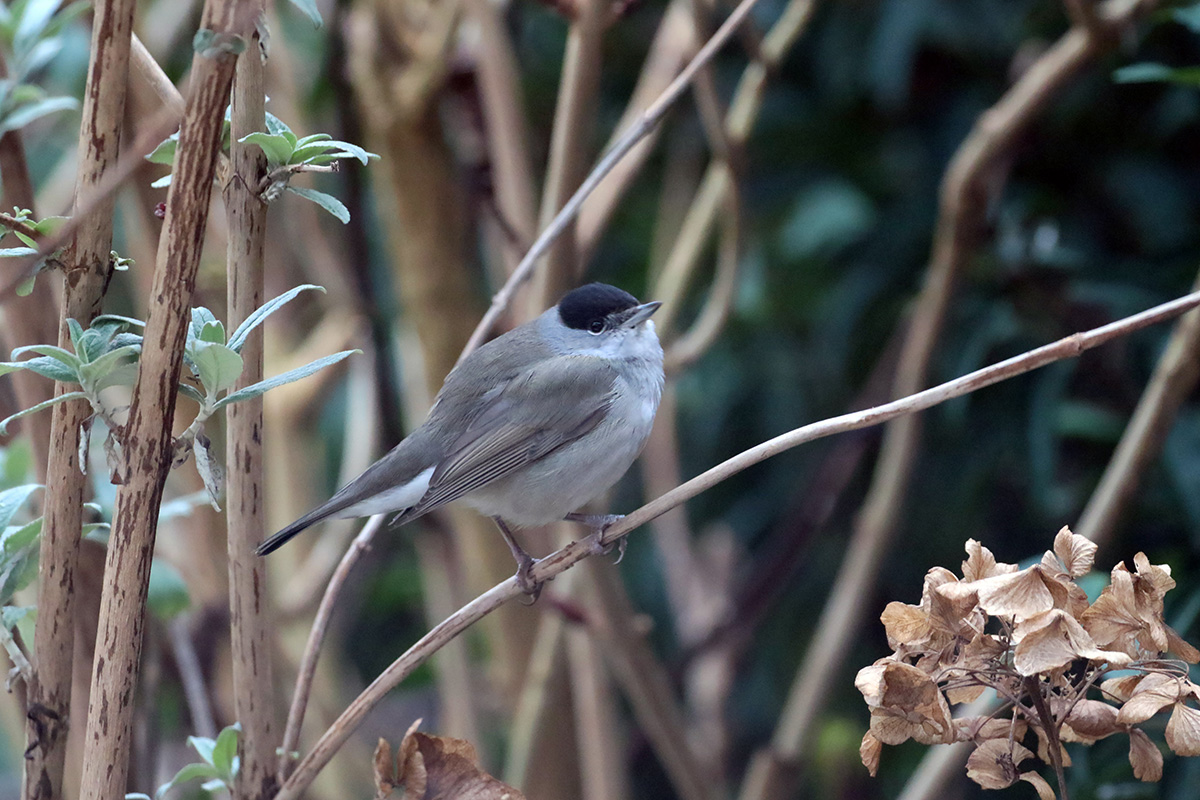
(639,314)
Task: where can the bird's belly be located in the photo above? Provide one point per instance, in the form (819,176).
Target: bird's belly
(565,480)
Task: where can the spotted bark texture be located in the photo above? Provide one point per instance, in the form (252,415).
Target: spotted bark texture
(86,263)
(248,598)
(148,434)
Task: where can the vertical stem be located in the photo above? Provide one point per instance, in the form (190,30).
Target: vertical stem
(248,598)
(1033,685)
(148,440)
(87,272)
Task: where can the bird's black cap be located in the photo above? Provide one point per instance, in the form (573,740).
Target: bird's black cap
(580,307)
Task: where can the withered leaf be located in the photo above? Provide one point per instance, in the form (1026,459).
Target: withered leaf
(1038,782)
(981,563)
(1183,730)
(869,751)
(1019,594)
(1152,694)
(1144,756)
(449,771)
(1054,639)
(993,765)
(1076,553)
(1090,720)
(385,770)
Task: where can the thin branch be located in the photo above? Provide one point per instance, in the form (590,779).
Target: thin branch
(316,637)
(636,132)
(576,551)
(191,677)
(1174,378)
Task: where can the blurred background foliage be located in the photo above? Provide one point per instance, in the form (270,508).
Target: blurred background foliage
(1097,219)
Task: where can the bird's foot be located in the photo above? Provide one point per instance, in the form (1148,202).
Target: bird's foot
(525,581)
(600,523)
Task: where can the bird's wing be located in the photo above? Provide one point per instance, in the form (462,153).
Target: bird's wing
(547,406)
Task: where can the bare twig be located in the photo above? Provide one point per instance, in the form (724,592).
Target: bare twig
(316,637)
(148,439)
(1174,377)
(88,269)
(191,678)
(648,120)
(573,553)
(574,118)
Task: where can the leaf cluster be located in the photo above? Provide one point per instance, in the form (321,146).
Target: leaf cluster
(217,767)
(287,154)
(106,355)
(1068,670)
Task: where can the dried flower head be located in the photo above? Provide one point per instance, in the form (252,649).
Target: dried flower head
(1031,636)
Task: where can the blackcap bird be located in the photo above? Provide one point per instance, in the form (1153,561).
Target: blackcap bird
(528,428)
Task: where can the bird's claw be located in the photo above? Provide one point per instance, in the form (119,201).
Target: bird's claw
(525,581)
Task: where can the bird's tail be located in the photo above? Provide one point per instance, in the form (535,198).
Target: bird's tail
(277,540)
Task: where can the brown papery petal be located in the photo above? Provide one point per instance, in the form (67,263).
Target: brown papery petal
(1144,756)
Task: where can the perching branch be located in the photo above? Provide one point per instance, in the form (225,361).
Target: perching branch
(576,551)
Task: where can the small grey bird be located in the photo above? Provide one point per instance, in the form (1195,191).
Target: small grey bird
(528,428)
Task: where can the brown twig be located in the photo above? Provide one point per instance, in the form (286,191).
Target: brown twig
(250,615)
(574,118)
(88,269)
(316,638)
(645,123)
(1174,377)
(148,434)
(573,553)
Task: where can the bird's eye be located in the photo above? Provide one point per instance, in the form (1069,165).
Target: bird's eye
(596,327)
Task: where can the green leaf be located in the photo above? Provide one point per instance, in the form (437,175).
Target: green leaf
(12,499)
(325,201)
(96,374)
(47,367)
(254,390)
(238,340)
(161,183)
(309,7)
(165,152)
(201,316)
(218,366)
(213,332)
(277,148)
(66,357)
(76,332)
(26,114)
(62,398)
(130,321)
(11,615)
(190,392)
(276,126)
(224,755)
(189,772)
(25,287)
(1158,73)
(168,595)
(18,537)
